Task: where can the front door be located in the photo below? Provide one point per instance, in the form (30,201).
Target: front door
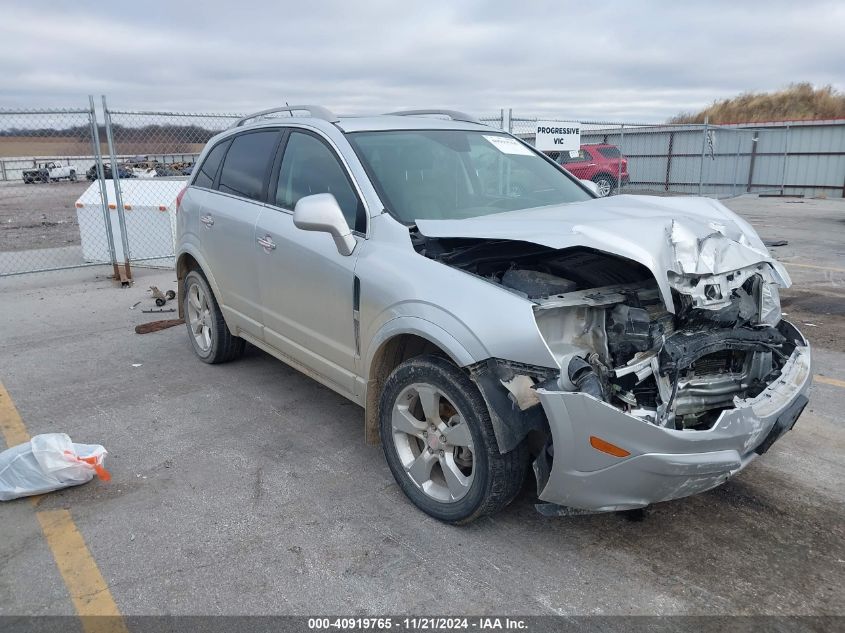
(306,286)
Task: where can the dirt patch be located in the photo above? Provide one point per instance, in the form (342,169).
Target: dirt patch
(820,317)
(39,215)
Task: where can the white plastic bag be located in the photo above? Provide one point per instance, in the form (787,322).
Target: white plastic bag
(48,462)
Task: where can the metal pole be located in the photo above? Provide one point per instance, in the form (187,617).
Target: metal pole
(703,150)
(669,161)
(736,163)
(101,178)
(754,140)
(510,120)
(118,196)
(785,158)
(619,160)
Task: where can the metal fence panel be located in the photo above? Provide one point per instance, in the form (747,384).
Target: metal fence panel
(51,209)
(787,158)
(153,154)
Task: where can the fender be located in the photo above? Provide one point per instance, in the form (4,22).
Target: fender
(190,249)
(424,329)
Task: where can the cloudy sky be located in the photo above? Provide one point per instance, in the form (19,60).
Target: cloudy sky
(628,61)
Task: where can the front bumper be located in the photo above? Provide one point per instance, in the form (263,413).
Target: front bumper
(663,463)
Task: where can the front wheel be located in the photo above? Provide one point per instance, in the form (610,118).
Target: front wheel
(209,335)
(605,184)
(439,443)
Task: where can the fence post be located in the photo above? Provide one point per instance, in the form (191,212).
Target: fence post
(510,121)
(785,159)
(3,170)
(754,141)
(703,151)
(669,160)
(101,178)
(736,163)
(619,161)
(126,277)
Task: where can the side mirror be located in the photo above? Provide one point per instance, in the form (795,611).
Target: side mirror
(589,184)
(321,212)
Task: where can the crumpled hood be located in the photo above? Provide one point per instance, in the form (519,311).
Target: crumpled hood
(687,236)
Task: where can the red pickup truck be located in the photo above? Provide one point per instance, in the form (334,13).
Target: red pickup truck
(599,163)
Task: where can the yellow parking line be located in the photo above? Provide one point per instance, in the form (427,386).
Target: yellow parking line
(829,381)
(85,584)
(11,425)
(88,589)
(833,270)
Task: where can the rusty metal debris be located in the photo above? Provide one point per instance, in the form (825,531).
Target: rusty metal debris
(156,326)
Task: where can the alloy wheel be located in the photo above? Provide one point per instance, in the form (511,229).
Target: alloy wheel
(199,317)
(604,186)
(433,442)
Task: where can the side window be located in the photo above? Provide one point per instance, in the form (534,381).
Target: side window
(247,162)
(574,156)
(206,173)
(309,167)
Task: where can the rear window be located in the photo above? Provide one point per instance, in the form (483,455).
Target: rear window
(206,173)
(247,163)
(610,152)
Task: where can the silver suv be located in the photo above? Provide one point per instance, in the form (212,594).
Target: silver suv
(491,315)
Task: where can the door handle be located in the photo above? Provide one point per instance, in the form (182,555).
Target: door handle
(266,243)
(207,220)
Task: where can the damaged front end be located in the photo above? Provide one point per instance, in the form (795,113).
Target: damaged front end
(656,395)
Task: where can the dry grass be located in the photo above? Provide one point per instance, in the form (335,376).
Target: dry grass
(797,102)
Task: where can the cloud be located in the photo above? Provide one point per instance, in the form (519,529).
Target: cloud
(627,61)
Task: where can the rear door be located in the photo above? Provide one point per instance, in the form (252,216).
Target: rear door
(230,210)
(307,287)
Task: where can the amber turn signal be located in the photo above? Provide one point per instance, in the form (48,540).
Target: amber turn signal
(606,447)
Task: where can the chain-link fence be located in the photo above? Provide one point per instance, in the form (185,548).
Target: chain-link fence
(153,153)
(51,211)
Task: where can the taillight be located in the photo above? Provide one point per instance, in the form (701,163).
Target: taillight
(179,197)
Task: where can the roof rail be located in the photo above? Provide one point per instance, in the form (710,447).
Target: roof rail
(318,112)
(452,114)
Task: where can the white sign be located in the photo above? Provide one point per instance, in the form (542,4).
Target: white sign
(556,136)
(508,145)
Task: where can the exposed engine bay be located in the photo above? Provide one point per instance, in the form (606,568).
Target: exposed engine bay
(614,336)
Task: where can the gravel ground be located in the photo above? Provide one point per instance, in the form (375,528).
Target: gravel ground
(39,215)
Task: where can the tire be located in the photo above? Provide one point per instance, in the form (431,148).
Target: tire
(487,485)
(605,183)
(72,176)
(207,330)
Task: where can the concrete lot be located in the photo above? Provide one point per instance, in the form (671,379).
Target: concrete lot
(247,488)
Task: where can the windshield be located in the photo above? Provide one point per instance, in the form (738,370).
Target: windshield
(455,174)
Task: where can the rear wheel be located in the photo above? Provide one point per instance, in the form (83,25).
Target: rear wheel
(439,443)
(605,184)
(209,335)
